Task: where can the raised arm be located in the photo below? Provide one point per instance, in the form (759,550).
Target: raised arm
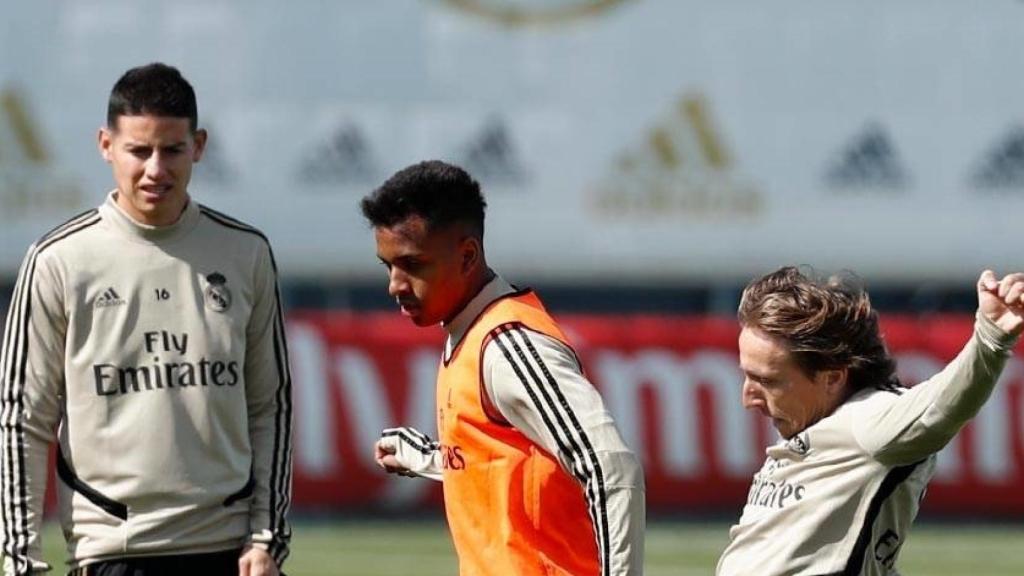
(926,417)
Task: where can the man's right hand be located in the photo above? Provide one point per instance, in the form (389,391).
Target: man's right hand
(408,452)
(384,451)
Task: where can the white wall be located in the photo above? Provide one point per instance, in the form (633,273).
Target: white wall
(652,140)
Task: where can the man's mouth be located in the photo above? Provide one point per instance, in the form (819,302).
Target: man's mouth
(155,191)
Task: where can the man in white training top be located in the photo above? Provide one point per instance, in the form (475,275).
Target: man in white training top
(839,491)
(145,339)
(537,480)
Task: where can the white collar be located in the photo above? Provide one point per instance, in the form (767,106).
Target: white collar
(457,328)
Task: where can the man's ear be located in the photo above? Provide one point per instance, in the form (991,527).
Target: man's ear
(105,143)
(472,252)
(198,144)
(834,380)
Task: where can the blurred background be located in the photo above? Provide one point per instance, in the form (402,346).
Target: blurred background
(642,160)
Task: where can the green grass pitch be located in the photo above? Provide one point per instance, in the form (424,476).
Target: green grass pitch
(422,548)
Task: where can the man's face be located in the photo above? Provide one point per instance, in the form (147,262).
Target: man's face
(775,386)
(152,157)
(427,271)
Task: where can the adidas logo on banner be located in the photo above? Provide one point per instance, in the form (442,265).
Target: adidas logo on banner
(31,182)
(344,158)
(491,156)
(109,298)
(1002,167)
(869,161)
(681,166)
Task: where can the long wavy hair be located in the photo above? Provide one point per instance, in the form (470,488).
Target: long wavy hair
(825,324)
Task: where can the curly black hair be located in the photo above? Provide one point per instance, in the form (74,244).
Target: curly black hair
(440,193)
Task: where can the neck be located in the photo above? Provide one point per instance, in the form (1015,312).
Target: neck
(477,284)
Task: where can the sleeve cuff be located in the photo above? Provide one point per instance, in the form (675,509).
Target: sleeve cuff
(992,336)
(265,540)
(26,566)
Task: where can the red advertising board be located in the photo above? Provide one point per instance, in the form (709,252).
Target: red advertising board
(672,384)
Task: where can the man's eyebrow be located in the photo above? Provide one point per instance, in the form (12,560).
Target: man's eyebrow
(756,375)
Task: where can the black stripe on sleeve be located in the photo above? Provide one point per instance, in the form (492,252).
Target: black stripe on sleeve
(281,475)
(11,417)
(406,435)
(561,421)
(280,468)
(228,221)
(423,438)
(13,366)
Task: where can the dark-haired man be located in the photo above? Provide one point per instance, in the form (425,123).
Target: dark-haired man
(146,337)
(537,479)
(838,493)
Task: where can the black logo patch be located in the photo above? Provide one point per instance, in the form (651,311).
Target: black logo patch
(217,294)
(801,443)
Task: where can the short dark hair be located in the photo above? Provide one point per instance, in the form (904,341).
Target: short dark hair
(440,193)
(825,324)
(153,90)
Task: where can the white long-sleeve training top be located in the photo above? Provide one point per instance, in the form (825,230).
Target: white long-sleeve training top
(839,497)
(155,357)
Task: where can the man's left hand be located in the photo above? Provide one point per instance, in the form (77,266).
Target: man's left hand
(256,562)
(1002,300)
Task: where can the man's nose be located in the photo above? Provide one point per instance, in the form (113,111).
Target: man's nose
(752,395)
(156,166)
(398,282)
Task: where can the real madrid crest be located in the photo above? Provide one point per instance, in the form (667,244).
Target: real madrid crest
(800,444)
(217,294)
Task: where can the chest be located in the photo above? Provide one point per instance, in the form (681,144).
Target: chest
(144,304)
(459,395)
(802,474)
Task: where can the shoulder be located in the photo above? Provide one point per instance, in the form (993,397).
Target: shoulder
(72,228)
(516,343)
(72,234)
(232,226)
(864,406)
(230,231)
(871,399)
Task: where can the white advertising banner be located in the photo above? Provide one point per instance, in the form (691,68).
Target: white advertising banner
(616,140)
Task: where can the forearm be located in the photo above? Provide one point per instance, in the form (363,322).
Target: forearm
(626,513)
(269,401)
(965,388)
(269,526)
(25,467)
(32,377)
(926,417)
